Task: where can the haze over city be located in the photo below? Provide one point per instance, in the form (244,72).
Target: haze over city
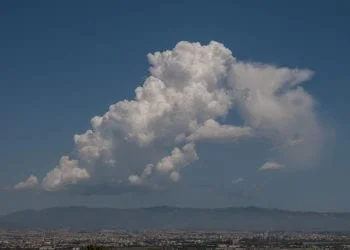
(202,104)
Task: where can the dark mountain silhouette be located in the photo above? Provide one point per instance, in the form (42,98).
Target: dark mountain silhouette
(242,218)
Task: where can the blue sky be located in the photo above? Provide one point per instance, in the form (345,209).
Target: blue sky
(65,62)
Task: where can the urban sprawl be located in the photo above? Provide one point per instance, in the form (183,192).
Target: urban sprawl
(170,239)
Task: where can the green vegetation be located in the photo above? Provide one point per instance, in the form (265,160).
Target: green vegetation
(94,247)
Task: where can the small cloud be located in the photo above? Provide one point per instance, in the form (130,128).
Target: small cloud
(295,142)
(135,180)
(30,183)
(175,176)
(270,165)
(238,180)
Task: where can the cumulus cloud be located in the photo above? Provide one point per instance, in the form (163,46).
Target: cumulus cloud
(67,172)
(30,183)
(135,179)
(270,165)
(190,90)
(178,158)
(171,164)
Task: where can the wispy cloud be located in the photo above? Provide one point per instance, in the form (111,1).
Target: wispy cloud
(238,180)
(270,165)
(30,183)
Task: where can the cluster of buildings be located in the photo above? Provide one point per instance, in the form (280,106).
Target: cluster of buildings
(170,239)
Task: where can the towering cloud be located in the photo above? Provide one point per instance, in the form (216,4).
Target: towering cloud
(190,89)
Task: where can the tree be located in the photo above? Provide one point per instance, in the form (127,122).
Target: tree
(94,247)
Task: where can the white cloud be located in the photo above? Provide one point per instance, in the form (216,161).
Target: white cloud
(175,176)
(178,158)
(31,182)
(270,165)
(238,180)
(135,180)
(189,91)
(294,142)
(67,172)
(213,131)
(271,101)
(169,165)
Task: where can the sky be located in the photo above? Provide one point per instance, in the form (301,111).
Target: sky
(186,103)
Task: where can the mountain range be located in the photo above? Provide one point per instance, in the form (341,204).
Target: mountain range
(164,217)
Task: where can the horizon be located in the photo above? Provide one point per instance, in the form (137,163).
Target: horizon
(179,207)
